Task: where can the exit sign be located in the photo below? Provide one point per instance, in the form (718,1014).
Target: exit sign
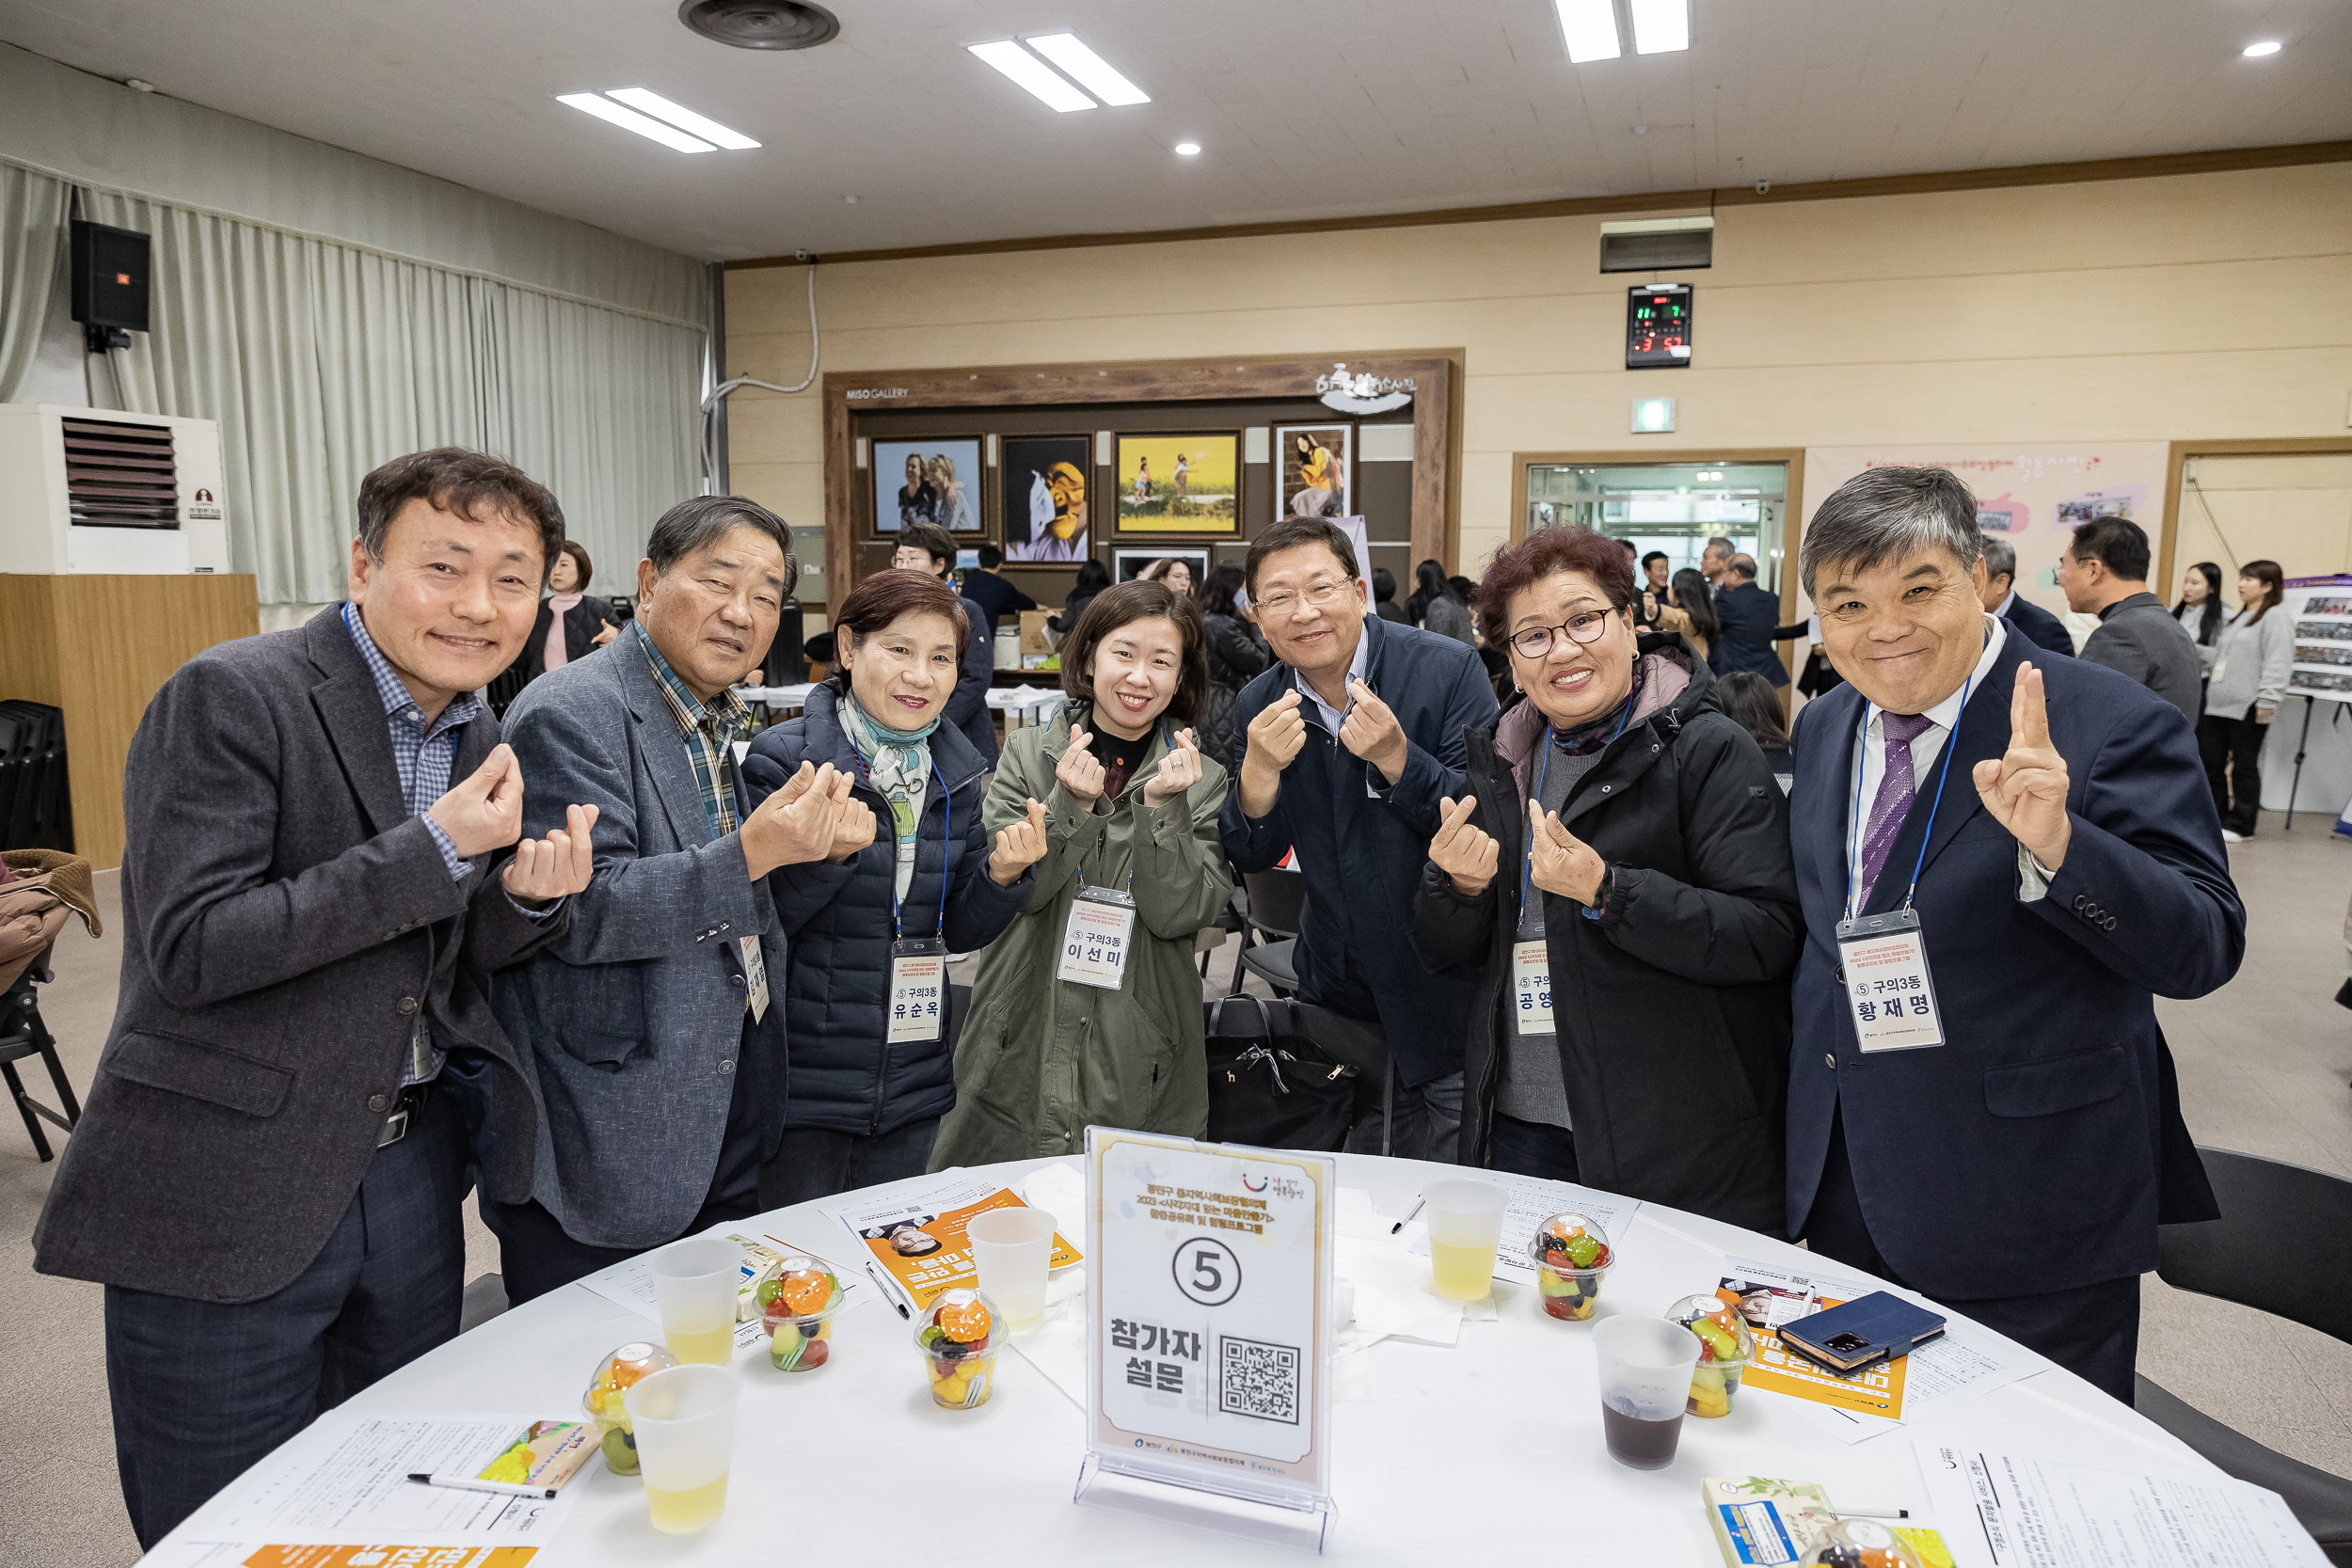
(1657,327)
(1653,416)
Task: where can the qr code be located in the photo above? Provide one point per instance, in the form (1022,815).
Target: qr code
(1258,1379)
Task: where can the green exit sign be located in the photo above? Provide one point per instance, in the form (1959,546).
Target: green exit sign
(1653,416)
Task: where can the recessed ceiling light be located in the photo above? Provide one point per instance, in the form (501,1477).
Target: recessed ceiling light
(2256,51)
(1089,70)
(684,119)
(629,120)
(1188,150)
(1661,26)
(1591,29)
(1032,75)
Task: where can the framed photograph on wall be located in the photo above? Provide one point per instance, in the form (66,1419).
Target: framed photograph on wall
(1189,483)
(934,479)
(1316,477)
(1128,563)
(1041,498)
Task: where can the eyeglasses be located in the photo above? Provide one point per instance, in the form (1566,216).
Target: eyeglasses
(1535,642)
(1283,604)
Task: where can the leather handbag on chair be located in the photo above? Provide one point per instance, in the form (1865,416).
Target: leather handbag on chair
(1273,1088)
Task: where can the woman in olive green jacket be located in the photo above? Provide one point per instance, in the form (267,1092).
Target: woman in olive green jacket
(1130,805)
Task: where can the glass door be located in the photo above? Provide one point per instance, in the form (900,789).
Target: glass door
(1674,507)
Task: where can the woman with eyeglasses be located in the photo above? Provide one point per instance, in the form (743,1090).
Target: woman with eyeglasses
(1617,873)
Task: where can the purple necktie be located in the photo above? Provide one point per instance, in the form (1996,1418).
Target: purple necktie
(1896,788)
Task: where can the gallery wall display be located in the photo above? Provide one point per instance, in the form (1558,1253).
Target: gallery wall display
(1128,564)
(1042,499)
(932,480)
(1187,483)
(1318,477)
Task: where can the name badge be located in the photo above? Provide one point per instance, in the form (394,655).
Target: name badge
(1530,979)
(918,990)
(1883,961)
(1094,939)
(755,977)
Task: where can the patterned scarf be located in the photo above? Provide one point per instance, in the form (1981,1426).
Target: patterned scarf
(1590,735)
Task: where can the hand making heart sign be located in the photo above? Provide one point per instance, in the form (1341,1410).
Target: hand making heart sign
(1561,862)
(2024,789)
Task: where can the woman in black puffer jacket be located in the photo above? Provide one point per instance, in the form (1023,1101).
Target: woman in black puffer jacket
(1237,652)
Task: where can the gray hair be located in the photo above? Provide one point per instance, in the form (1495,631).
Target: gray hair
(2001,559)
(1744,564)
(698,523)
(1884,514)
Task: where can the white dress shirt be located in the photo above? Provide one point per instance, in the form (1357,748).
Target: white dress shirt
(1332,716)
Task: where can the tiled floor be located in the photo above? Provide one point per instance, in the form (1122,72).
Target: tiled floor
(2263,1066)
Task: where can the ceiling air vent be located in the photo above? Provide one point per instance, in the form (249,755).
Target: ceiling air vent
(760,23)
(120,475)
(1658,245)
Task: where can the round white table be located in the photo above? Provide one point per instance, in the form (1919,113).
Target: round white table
(1487,1453)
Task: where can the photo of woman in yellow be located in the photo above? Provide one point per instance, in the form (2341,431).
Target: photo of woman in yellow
(1316,471)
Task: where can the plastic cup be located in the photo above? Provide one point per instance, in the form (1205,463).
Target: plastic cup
(694,1284)
(683,1421)
(1011,1248)
(1465,1228)
(962,1372)
(1725,1348)
(606,1398)
(1645,1369)
(1564,1289)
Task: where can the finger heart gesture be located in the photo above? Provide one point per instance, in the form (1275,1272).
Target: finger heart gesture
(1178,771)
(1558,862)
(1021,846)
(1461,850)
(1080,771)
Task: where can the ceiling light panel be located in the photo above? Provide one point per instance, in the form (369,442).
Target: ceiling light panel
(2256,51)
(1089,70)
(1661,26)
(684,119)
(1032,75)
(629,120)
(1590,27)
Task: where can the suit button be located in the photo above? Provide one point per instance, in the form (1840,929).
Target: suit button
(1829,1060)
(727,1066)
(724,927)
(2109,923)
(2080,899)
(380,1104)
(407,1004)
(735,980)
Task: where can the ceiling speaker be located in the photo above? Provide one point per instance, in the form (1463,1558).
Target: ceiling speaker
(761,24)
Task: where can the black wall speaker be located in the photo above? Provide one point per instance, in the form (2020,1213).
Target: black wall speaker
(109,283)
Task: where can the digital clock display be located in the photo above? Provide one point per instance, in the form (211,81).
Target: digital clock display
(1657,327)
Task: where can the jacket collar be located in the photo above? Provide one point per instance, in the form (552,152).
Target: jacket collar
(2141,600)
(658,741)
(957,760)
(352,709)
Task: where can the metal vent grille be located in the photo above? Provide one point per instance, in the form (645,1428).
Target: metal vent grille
(120,475)
(760,23)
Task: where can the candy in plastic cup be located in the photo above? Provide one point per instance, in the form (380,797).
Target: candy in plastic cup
(1465,1227)
(1011,1248)
(1645,1386)
(959,1337)
(684,1419)
(694,1284)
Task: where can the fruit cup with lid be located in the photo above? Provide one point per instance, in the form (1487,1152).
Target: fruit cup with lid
(958,1338)
(1572,1255)
(797,1306)
(1862,1544)
(615,1374)
(1725,1348)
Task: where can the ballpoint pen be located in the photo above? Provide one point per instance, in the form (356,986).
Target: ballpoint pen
(1399,1227)
(888,1295)
(470,1483)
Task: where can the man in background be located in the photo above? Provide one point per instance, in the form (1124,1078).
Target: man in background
(1712,560)
(2105,573)
(1997,588)
(655,1026)
(1751,623)
(270,1173)
(1347,744)
(933,550)
(994,595)
(1654,579)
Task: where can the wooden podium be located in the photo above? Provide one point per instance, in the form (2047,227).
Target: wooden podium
(100,647)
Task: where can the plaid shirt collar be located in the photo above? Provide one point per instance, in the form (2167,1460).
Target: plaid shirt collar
(463,708)
(724,719)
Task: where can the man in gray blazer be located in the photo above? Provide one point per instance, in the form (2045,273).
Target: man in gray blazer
(269,1175)
(654,1025)
(2104,571)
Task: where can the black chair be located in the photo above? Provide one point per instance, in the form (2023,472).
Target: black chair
(23,1035)
(2279,1247)
(1271,904)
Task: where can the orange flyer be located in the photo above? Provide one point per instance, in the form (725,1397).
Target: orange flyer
(391,1557)
(919,1241)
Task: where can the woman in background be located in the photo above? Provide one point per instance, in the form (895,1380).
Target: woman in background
(916,498)
(1748,701)
(572,622)
(1428,582)
(1384,596)
(1446,611)
(1237,655)
(2200,609)
(951,509)
(1093,577)
(1689,612)
(1173,573)
(2251,659)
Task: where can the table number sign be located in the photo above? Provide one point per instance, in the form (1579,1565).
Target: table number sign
(1209,1335)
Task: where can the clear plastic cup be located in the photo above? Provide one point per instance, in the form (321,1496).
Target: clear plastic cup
(683,1421)
(959,1337)
(608,1390)
(1012,1249)
(1862,1544)
(694,1284)
(797,1308)
(1645,1386)
(1725,1348)
(1465,1228)
(1572,1257)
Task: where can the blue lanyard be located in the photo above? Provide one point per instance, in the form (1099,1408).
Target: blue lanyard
(1943,772)
(946,836)
(1527,864)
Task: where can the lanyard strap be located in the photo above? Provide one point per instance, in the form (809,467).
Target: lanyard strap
(1527,864)
(1943,772)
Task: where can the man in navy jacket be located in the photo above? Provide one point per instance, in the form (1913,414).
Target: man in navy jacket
(2072,870)
(1349,742)
(1997,580)
(1750,621)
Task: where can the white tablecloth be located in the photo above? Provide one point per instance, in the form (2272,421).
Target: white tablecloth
(1027,705)
(1488,1453)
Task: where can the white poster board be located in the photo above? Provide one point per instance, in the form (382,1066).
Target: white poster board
(2321,611)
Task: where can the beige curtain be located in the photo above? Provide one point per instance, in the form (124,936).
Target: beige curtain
(32,214)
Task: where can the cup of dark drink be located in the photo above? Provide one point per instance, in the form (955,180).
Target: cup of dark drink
(1645,1369)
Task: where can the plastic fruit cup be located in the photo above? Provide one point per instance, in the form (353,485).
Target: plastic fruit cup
(801,1341)
(962,1376)
(1725,1348)
(1566,1292)
(607,1393)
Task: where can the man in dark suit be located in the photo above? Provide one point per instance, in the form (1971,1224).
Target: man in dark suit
(1997,590)
(2005,1157)
(997,598)
(1751,623)
(269,1175)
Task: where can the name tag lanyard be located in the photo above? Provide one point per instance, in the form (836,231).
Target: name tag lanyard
(916,1010)
(1882,958)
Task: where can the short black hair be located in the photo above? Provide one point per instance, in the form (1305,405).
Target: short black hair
(1290,533)
(467,483)
(1137,600)
(2117,543)
(1630,547)
(1383,585)
(991,556)
(1654,555)
(701,521)
(932,540)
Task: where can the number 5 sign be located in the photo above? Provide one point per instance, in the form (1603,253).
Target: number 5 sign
(1208,1335)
